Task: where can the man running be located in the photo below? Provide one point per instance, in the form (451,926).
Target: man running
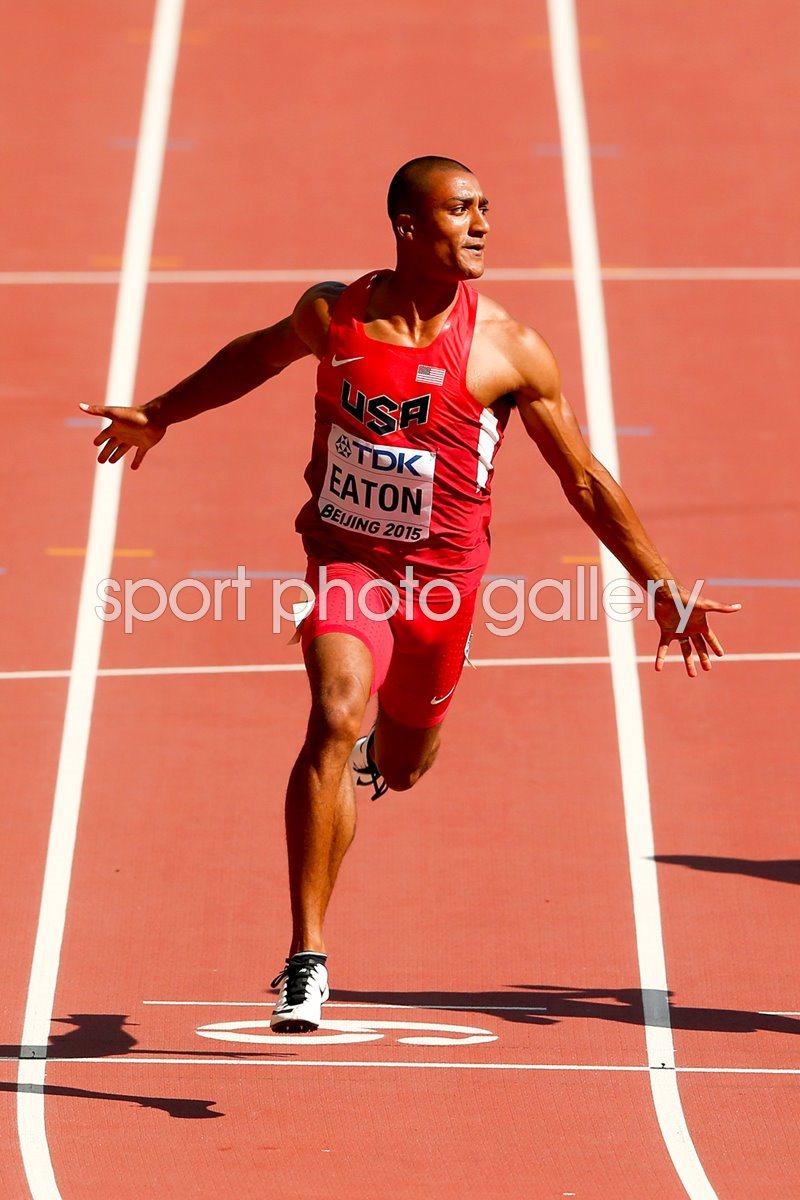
(417,377)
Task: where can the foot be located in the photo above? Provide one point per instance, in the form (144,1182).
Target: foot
(364,767)
(304,989)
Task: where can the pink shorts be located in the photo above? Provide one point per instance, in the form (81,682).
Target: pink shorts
(417,658)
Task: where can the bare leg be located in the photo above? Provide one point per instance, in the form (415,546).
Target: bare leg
(320,801)
(403,754)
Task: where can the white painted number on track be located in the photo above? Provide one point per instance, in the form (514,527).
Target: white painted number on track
(349,1032)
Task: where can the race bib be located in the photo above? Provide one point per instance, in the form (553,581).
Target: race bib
(383,491)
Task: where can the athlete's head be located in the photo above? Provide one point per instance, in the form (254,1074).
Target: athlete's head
(438,212)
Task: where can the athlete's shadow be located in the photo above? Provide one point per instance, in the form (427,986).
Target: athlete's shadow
(175,1106)
(620,1005)
(96,1035)
(780,870)
(105,1035)
(99,1035)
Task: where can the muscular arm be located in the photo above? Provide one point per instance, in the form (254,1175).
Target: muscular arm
(591,490)
(236,369)
(596,496)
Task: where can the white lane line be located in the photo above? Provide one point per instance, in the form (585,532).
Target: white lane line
(476,1008)
(88,634)
(576,660)
(314,274)
(212,1061)
(624,675)
(646,659)
(701,274)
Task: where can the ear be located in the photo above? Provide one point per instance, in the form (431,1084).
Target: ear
(404,227)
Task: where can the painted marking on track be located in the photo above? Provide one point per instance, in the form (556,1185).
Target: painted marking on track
(130,143)
(570,103)
(577,660)
(546,272)
(189,37)
(628,430)
(83,422)
(759,583)
(474,1008)
(597,150)
(227,573)
(351,1032)
(114,260)
(541,41)
(154,1061)
(145,189)
(80,551)
(580,559)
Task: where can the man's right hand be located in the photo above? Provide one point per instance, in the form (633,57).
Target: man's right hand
(130,429)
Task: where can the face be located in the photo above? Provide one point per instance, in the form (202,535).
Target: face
(447,233)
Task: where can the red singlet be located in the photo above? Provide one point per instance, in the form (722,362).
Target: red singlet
(401,463)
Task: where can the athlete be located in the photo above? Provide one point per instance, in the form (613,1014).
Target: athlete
(417,376)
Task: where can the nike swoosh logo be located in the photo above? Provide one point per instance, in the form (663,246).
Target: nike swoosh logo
(441,699)
(339,362)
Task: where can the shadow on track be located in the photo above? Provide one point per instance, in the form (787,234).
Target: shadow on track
(176,1107)
(779,870)
(97,1035)
(105,1035)
(620,1005)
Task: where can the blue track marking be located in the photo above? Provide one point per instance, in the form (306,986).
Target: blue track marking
(628,430)
(130,143)
(227,573)
(762,583)
(598,150)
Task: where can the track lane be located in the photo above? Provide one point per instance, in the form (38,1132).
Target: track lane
(72,84)
(68,88)
(189,790)
(693,106)
(600,1033)
(718,487)
(203,804)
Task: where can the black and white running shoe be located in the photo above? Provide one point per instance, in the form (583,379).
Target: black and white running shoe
(365,770)
(303,986)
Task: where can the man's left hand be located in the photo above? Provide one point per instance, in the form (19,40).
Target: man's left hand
(696,635)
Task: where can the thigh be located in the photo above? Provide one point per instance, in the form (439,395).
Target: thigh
(340,673)
(346,602)
(425,668)
(404,751)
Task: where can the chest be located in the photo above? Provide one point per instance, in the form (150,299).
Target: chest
(389,392)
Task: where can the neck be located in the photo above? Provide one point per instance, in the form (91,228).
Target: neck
(417,298)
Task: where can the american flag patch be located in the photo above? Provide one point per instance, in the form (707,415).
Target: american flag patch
(431,375)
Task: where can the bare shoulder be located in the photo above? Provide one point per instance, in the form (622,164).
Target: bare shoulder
(511,356)
(312,313)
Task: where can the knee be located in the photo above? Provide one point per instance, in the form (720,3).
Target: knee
(402,779)
(337,711)
(401,776)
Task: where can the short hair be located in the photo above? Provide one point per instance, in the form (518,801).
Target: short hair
(408,184)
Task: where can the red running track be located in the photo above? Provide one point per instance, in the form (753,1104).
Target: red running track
(496,897)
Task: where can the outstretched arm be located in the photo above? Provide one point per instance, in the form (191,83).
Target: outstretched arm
(236,369)
(601,502)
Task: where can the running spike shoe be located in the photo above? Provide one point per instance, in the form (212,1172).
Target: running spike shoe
(303,984)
